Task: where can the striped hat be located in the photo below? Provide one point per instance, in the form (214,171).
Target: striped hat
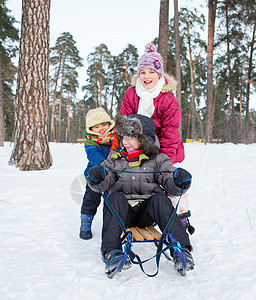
(151,59)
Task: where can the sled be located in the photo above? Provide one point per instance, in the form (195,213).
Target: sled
(148,234)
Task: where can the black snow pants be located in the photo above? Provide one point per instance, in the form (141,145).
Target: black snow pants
(156,209)
(91,201)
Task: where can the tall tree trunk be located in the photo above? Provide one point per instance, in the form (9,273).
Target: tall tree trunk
(177,58)
(31,149)
(101,71)
(60,104)
(192,76)
(112,100)
(163,30)
(68,128)
(52,134)
(214,102)
(241,107)
(212,5)
(248,88)
(232,124)
(188,127)
(126,70)
(1,108)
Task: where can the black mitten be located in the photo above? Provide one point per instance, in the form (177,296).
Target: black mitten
(97,174)
(182,178)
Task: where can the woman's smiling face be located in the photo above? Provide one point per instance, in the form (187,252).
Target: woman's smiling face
(149,78)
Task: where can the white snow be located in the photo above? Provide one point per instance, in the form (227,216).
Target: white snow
(42,257)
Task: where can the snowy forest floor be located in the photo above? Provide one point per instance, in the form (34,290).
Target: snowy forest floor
(42,257)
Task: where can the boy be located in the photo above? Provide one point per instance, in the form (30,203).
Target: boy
(139,196)
(100,140)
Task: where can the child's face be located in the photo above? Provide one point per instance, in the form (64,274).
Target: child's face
(149,78)
(131,143)
(100,128)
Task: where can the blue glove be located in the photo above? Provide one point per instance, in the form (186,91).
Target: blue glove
(97,174)
(182,178)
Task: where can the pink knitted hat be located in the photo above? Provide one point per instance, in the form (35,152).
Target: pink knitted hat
(151,60)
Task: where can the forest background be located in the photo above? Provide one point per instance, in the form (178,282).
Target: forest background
(108,75)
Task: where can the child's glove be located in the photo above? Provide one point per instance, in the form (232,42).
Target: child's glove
(182,178)
(97,174)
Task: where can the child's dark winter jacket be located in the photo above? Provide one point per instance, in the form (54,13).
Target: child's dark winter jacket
(139,185)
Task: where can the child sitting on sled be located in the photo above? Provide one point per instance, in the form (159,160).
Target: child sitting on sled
(136,192)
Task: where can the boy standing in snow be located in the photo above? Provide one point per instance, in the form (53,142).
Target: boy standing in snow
(100,140)
(136,192)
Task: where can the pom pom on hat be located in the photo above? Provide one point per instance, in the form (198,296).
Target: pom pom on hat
(150,47)
(151,59)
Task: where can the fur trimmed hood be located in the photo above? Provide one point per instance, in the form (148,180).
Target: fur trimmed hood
(170,86)
(139,127)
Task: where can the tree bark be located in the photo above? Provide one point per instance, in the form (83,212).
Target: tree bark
(248,88)
(212,5)
(101,72)
(232,124)
(163,30)
(240,111)
(52,134)
(31,149)
(192,76)
(177,54)
(60,106)
(68,128)
(1,108)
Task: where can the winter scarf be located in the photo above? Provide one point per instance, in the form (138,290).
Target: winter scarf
(134,157)
(110,139)
(146,104)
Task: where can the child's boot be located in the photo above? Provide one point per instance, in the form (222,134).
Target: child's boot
(188,258)
(112,260)
(86,224)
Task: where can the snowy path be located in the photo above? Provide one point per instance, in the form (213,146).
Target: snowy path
(41,256)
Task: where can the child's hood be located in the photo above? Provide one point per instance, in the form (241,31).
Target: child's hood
(170,85)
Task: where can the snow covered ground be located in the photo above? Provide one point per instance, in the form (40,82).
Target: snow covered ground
(42,257)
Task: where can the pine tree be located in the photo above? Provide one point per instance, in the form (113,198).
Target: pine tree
(65,60)
(196,25)
(97,72)
(31,149)
(126,64)
(8,37)
(163,30)
(212,6)
(177,55)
